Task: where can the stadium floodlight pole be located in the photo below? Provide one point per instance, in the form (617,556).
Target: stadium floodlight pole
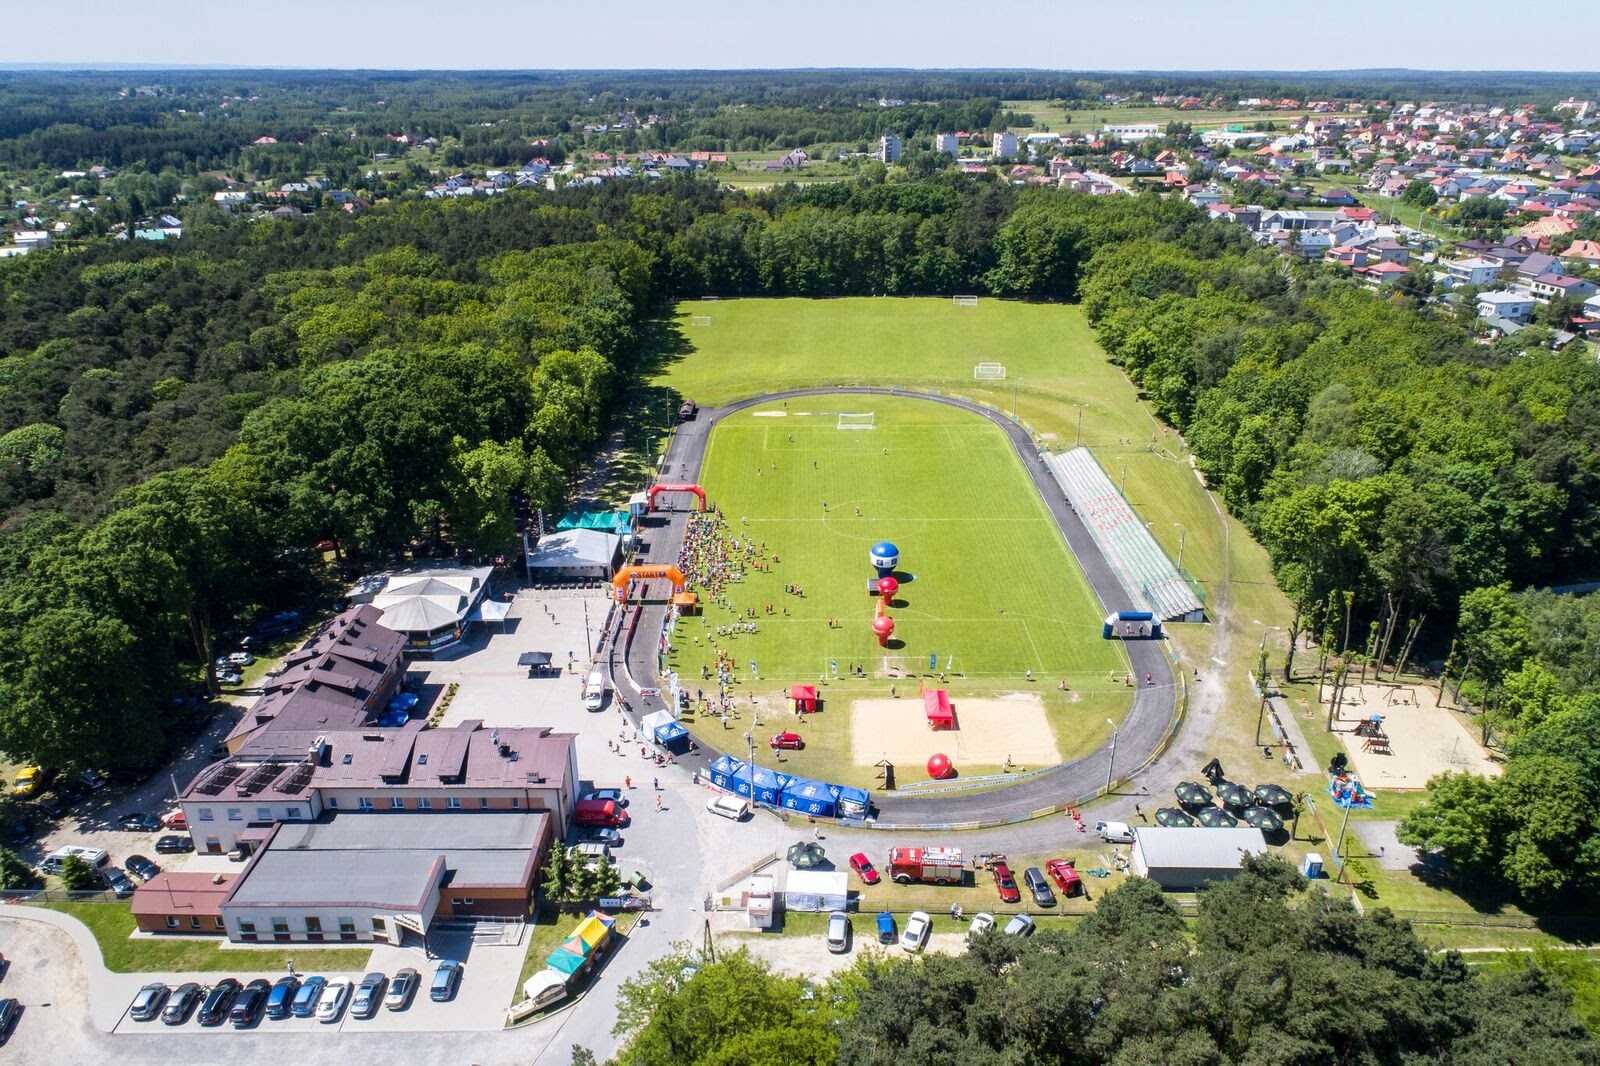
(1183,536)
(1123,484)
(1111,762)
(750,739)
(1261,680)
(1078,440)
(1014,385)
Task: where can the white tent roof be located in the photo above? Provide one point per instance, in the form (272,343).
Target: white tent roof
(575,547)
(419,601)
(655,719)
(493,610)
(542,980)
(1198,848)
(823,883)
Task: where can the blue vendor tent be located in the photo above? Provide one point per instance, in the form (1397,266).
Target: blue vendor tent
(725,770)
(853,802)
(809,797)
(768,785)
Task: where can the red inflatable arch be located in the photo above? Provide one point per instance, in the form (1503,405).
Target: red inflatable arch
(625,576)
(656,490)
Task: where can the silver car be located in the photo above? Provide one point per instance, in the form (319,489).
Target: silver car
(838,932)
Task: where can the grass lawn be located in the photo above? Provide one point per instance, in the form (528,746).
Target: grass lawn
(112,926)
(1088,116)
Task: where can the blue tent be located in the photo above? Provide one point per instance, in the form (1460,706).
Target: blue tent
(853,802)
(809,797)
(663,728)
(768,785)
(725,770)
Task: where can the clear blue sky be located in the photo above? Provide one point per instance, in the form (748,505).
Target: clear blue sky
(1055,34)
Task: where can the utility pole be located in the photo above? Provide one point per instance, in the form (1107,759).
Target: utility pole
(1111,762)
(1183,537)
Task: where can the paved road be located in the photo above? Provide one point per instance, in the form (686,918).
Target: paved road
(1139,735)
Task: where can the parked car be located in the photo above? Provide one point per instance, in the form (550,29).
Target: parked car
(93,780)
(1039,887)
(119,882)
(982,922)
(401,989)
(173,845)
(29,779)
(140,868)
(139,822)
(600,834)
(613,794)
(236,658)
(304,1004)
(369,993)
(1006,884)
(915,936)
(70,791)
(445,980)
(331,1004)
(838,932)
(175,820)
(19,832)
(281,998)
(148,1003)
(790,741)
(1065,875)
(247,1007)
(181,1003)
(864,868)
(229,677)
(1019,925)
(886,930)
(9,1012)
(215,1008)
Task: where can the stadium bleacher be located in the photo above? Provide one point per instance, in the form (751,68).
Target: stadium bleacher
(1143,568)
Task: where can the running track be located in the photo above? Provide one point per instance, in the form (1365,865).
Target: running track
(1154,708)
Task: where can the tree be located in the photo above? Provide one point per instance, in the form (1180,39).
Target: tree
(1461,819)
(77,875)
(14,873)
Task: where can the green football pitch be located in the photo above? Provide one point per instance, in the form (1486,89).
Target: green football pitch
(992,583)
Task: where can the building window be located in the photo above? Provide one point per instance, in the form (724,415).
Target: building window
(397,803)
(206,814)
(347,929)
(516,803)
(247,930)
(263,814)
(313,924)
(292,814)
(172,923)
(333,803)
(218,923)
(280,929)
(455,803)
(483,803)
(194,922)
(365,803)
(424,803)
(235,814)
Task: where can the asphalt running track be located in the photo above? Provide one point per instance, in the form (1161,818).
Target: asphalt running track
(1154,710)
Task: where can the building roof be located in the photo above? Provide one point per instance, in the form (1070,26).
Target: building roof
(1198,848)
(464,756)
(392,860)
(575,547)
(425,599)
(198,894)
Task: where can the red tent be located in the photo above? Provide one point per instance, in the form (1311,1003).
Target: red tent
(805,698)
(936,702)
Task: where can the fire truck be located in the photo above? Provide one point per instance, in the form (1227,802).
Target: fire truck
(940,866)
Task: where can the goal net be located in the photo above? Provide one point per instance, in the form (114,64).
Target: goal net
(894,666)
(859,420)
(701,320)
(989,372)
(964,301)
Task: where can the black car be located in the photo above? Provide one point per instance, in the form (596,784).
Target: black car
(282,996)
(140,868)
(148,1003)
(9,1009)
(181,1003)
(174,845)
(247,1006)
(215,1008)
(19,832)
(1039,887)
(139,822)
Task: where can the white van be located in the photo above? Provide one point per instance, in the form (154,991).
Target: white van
(729,806)
(1114,832)
(594,691)
(95,857)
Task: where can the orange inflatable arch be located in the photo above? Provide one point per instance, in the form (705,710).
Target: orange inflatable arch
(619,583)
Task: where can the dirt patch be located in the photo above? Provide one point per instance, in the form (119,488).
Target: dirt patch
(1424,740)
(988,732)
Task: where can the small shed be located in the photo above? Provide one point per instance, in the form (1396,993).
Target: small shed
(941,715)
(805,698)
(758,901)
(816,890)
(1186,858)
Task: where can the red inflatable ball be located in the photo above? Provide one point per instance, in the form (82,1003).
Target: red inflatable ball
(887,587)
(939,767)
(883,625)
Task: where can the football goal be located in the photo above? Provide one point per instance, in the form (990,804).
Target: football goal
(701,320)
(964,301)
(894,666)
(989,372)
(858,420)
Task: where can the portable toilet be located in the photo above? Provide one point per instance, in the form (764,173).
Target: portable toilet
(1311,866)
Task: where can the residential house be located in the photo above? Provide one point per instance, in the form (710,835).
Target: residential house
(1510,306)
(1583,254)
(1554,286)
(889,148)
(1475,272)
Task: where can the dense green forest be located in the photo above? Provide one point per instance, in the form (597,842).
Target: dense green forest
(1268,973)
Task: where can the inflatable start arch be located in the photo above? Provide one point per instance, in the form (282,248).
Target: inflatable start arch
(628,574)
(656,490)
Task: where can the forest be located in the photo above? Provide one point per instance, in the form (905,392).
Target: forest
(1269,972)
(181,422)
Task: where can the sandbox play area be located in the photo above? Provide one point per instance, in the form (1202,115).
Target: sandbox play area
(1412,740)
(987,732)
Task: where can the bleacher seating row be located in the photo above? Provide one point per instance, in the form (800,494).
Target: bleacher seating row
(1143,568)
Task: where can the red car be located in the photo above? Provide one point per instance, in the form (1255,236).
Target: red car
(1006,884)
(175,820)
(863,867)
(786,740)
(1065,875)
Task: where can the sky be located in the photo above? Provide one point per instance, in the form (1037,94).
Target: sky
(1062,35)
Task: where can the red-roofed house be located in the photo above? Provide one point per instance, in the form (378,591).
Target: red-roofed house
(182,903)
(1583,253)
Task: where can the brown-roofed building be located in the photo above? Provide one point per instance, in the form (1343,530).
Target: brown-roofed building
(182,903)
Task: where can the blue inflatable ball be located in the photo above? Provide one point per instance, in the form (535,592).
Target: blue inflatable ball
(884,557)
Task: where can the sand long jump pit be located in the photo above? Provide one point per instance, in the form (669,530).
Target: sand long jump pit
(1424,740)
(987,732)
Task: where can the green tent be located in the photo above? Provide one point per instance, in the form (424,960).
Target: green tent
(605,521)
(566,961)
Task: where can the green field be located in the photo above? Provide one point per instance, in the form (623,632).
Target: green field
(1088,117)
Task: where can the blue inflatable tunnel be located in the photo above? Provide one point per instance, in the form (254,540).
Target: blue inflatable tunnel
(1131,625)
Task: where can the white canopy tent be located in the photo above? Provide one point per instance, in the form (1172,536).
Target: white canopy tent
(575,554)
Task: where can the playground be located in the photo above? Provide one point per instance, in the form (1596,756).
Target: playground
(1411,741)
(989,732)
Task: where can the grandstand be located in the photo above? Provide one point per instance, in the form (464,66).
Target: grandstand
(1142,567)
